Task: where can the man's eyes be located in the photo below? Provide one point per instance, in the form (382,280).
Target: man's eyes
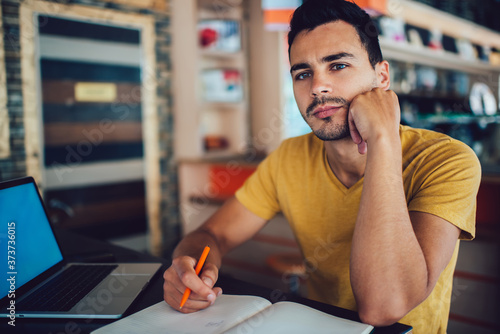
(337,67)
(302,76)
(333,67)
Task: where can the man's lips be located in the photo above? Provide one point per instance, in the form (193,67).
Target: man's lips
(323,112)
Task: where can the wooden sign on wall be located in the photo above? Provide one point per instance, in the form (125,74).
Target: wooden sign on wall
(151,4)
(4,116)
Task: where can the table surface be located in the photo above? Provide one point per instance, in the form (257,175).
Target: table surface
(77,247)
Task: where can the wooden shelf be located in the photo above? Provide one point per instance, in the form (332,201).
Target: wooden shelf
(409,53)
(215,10)
(223,106)
(220,54)
(427,17)
(221,154)
(197,116)
(242,159)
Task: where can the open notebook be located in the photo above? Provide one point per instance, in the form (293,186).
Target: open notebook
(235,314)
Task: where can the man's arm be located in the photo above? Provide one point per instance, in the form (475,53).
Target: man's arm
(396,256)
(229,227)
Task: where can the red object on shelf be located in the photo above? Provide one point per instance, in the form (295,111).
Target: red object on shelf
(208,37)
(226,179)
(213,142)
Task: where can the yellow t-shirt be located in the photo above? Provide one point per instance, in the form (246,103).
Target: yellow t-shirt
(441,176)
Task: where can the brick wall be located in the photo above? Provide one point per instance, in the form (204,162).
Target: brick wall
(15,165)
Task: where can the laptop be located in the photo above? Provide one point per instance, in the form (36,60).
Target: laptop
(36,281)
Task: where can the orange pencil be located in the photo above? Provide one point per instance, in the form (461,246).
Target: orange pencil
(199,265)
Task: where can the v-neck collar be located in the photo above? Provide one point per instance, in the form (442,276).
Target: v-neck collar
(334,178)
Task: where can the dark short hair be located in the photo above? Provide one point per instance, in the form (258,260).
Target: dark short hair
(313,13)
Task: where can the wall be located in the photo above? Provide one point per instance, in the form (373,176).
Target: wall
(15,164)
(266,99)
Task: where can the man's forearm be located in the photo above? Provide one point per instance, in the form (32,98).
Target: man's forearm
(388,268)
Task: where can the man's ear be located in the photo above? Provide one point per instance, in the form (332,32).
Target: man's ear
(383,76)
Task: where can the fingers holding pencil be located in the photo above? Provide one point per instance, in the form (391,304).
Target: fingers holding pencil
(182,275)
(197,270)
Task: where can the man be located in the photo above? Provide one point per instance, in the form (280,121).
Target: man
(390,202)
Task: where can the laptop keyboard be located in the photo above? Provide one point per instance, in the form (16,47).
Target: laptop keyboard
(66,289)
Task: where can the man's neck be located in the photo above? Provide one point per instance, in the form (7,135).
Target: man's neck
(345,161)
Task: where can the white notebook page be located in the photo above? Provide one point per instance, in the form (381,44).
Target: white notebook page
(227,311)
(293,318)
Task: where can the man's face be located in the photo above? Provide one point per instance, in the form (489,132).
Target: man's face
(329,67)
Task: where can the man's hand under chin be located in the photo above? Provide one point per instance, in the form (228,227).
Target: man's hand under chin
(374,115)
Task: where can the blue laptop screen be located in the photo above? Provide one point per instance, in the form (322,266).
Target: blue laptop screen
(23,220)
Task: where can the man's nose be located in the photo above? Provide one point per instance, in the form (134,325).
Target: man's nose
(321,84)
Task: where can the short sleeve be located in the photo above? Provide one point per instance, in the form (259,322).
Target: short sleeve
(259,192)
(448,181)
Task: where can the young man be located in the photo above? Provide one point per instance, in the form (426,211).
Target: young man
(389,202)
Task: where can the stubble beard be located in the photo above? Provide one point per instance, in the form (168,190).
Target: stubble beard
(328,131)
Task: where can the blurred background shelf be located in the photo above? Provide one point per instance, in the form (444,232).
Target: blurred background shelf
(407,52)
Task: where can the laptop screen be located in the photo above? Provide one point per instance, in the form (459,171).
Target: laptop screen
(24,221)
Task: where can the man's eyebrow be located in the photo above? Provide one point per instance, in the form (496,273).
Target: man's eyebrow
(327,59)
(299,66)
(337,56)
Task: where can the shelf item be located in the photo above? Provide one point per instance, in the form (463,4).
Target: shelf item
(222,85)
(214,142)
(219,36)
(393,29)
(482,101)
(441,91)
(209,50)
